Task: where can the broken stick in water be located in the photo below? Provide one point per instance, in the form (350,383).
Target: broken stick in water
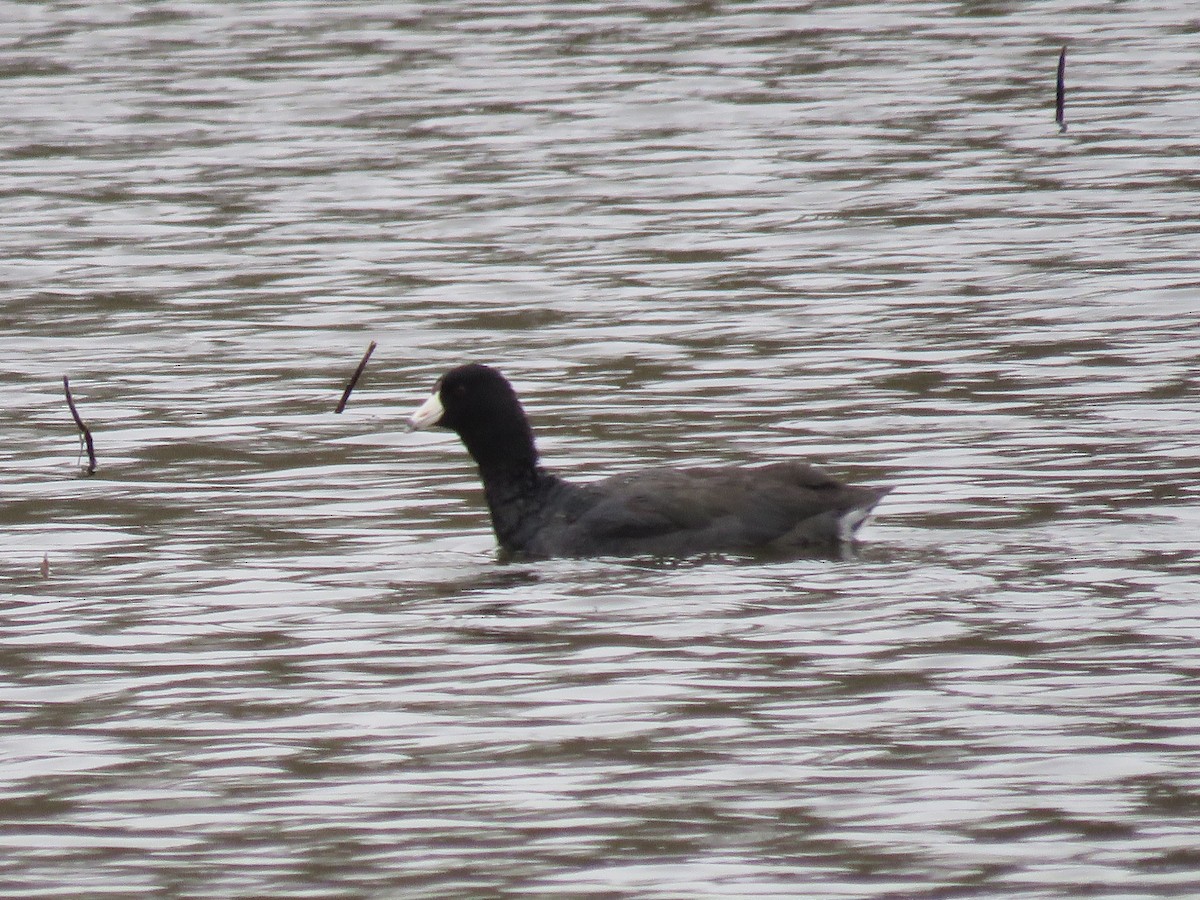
(1060,94)
(83,429)
(354,378)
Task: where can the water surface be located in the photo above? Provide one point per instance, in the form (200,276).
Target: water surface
(275,653)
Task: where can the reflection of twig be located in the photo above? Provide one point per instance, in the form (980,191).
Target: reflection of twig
(1060,94)
(354,378)
(87,435)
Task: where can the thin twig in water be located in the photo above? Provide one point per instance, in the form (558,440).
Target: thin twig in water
(83,429)
(354,378)
(1060,93)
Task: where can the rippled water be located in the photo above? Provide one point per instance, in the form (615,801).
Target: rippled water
(274,654)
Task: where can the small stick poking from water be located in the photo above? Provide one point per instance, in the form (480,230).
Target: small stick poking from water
(83,429)
(354,378)
(1060,93)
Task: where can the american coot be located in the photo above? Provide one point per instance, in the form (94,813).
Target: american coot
(785,507)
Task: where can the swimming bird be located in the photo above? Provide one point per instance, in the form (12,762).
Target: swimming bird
(774,508)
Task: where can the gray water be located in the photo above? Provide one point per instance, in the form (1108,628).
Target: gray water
(275,654)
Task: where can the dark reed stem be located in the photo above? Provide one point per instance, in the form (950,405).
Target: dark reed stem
(84,430)
(354,378)
(1060,93)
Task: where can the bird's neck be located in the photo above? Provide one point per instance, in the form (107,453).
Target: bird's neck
(516,499)
(515,485)
(502,449)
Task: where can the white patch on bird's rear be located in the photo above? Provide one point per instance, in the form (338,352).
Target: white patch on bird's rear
(849,522)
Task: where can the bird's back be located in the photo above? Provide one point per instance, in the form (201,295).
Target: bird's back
(778,507)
